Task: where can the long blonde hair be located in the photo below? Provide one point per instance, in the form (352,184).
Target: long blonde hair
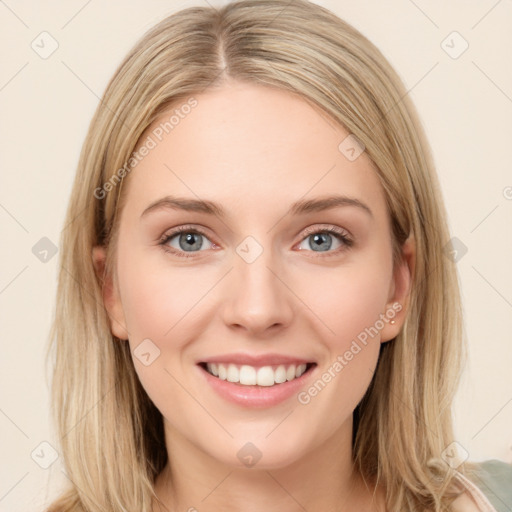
(111,434)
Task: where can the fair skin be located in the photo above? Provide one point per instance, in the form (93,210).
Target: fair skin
(255,151)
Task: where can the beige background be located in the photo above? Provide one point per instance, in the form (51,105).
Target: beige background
(46,106)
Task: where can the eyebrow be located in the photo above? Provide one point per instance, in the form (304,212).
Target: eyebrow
(300,207)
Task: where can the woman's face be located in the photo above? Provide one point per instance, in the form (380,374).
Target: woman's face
(289,273)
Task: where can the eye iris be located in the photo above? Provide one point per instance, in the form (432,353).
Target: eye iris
(320,238)
(190,242)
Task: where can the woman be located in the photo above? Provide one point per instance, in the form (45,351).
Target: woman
(255,309)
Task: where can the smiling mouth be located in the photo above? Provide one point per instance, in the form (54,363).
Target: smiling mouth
(247,375)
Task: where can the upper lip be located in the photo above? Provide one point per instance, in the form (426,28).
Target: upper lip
(256,360)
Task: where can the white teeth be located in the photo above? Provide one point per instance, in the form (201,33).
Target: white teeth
(233,375)
(214,369)
(300,370)
(265,376)
(280,375)
(247,375)
(251,376)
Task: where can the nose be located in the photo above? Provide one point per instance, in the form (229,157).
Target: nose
(258,298)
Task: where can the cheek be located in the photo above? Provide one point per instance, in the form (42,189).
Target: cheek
(351,307)
(347,300)
(157,297)
(158,304)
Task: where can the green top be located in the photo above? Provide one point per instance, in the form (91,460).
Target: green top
(494,478)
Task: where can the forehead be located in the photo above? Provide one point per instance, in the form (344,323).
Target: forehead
(248,147)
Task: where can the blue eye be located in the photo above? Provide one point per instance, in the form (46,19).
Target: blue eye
(189,240)
(192,240)
(323,239)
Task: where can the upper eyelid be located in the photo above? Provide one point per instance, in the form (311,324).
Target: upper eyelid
(171,233)
(318,228)
(330,228)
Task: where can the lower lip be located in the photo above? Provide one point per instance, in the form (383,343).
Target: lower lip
(256,396)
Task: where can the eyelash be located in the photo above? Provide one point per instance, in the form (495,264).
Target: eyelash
(337,232)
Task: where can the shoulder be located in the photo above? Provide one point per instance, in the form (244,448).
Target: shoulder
(494,479)
(488,487)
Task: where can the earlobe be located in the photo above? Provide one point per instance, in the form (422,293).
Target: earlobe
(401,286)
(110,294)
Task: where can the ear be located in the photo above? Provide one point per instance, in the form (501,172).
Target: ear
(399,293)
(111,298)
